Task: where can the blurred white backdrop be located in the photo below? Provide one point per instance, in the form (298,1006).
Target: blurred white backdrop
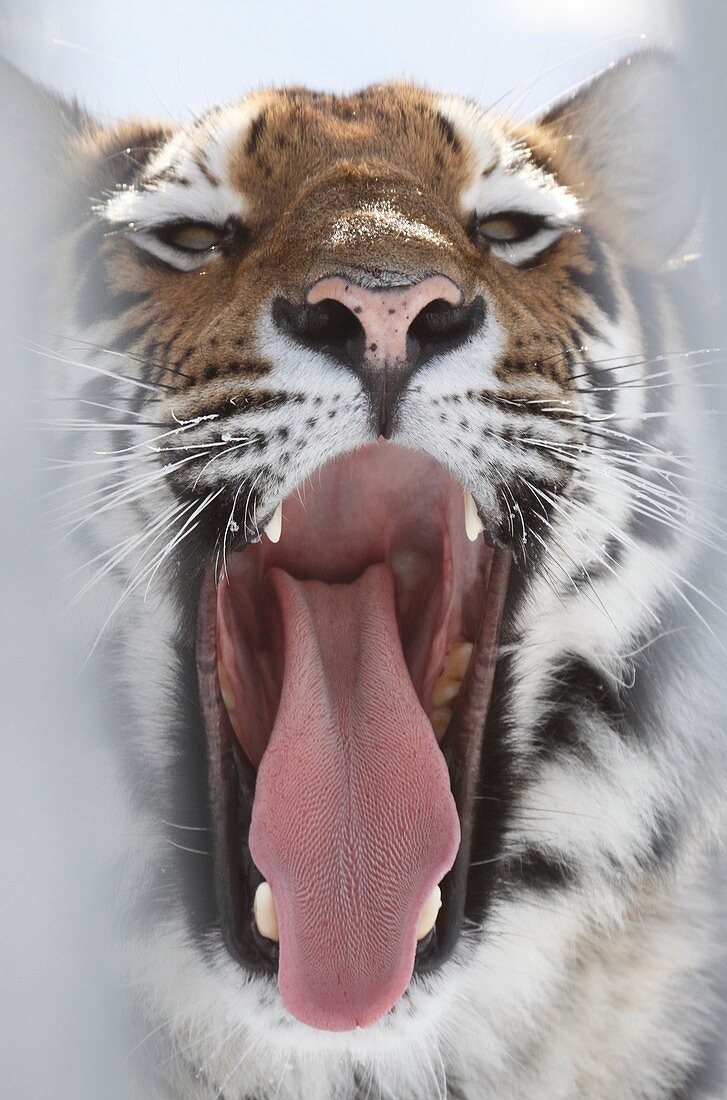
(172,57)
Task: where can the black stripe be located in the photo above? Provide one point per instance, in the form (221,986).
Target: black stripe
(536,512)
(662,844)
(256,132)
(125,165)
(186,796)
(497,786)
(531,439)
(613,557)
(708,1077)
(94,290)
(576,692)
(130,336)
(651,530)
(123,300)
(604,392)
(657,396)
(587,329)
(596,283)
(536,870)
(655,667)
(448,131)
(98,288)
(204,168)
(254,400)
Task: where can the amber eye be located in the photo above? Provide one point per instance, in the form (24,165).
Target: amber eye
(509,228)
(192,236)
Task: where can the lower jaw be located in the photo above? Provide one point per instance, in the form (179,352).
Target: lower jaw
(233,785)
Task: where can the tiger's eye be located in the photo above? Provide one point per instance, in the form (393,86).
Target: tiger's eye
(503,229)
(194,237)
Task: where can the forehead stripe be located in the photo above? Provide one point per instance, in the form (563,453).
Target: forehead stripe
(256,132)
(450,135)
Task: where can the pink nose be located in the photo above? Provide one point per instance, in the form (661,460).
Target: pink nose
(386,314)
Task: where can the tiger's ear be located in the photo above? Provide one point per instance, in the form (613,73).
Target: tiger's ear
(58,161)
(622,142)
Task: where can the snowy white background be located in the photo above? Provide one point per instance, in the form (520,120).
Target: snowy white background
(170,57)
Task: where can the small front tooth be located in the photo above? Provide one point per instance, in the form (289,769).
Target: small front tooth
(429,913)
(458,660)
(266,916)
(275,527)
(472,522)
(445,690)
(440,719)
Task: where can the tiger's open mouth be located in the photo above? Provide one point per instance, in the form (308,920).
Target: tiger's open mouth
(345,673)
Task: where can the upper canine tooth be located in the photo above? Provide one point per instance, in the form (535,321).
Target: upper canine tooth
(429,913)
(266,916)
(275,527)
(472,522)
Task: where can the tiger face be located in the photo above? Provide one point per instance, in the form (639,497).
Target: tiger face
(371,527)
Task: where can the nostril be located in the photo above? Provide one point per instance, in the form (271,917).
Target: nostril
(441,327)
(327,326)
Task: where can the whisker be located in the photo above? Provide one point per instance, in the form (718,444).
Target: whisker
(144,574)
(49,353)
(190,828)
(141,359)
(184,848)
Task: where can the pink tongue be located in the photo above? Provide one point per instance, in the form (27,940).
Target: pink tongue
(354,821)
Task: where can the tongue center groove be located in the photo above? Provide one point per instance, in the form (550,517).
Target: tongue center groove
(353,822)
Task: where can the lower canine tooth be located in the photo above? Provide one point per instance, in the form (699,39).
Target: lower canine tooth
(429,913)
(275,527)
(472,522)
(266,916)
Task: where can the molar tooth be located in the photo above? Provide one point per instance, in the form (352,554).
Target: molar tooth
(429,913)
(440,719)
(472,522)
(275,527)
(229,696)
(445,690)
(458,660)
(266,916)
(226,689)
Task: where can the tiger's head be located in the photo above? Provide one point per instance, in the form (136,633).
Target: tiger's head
(367,524)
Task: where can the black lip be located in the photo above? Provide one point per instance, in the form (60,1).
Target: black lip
(462,747)
(232,786)
(231,789)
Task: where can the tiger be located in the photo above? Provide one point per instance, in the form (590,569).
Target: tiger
(385,486)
